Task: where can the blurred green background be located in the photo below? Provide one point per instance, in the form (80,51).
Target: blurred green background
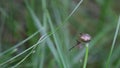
(37,23)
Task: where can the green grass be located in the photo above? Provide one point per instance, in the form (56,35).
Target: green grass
(86,55)
(39,33)
(113,44)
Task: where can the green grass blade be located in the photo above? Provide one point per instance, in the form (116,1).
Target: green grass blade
(86,55)
(56,39)
(40,40)
(48,40)
(19,44)
(16,65)
(115,55)
(113,44)
(34,17)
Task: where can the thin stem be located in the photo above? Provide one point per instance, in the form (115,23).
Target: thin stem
(19,44)
(86,56)
(39,41)
(65,21)
(22,60)
(32,51)
(113,44)
(72,47)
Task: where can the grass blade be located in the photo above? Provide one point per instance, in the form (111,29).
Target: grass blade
(86,55)
(113,44)
(40,40)
(19,44)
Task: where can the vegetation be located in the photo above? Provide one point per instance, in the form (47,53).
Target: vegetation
(39,33)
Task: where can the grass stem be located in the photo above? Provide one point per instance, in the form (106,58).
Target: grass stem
(113,44)
(86,56)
